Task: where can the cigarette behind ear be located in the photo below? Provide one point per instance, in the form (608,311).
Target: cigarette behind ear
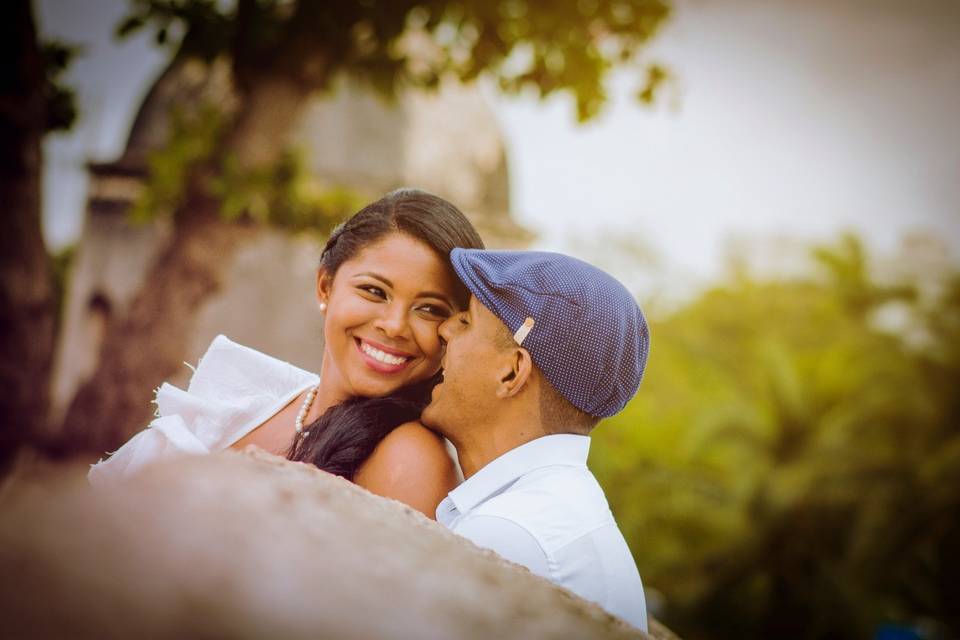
(523,331)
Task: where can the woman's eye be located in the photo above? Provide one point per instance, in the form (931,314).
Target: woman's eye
(434,310)
(373,290)
(463,320)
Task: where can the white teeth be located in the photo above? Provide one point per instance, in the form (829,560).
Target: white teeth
(380,356)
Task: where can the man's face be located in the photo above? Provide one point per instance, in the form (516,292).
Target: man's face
(471,370)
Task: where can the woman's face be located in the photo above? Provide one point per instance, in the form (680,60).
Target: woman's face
(383,309)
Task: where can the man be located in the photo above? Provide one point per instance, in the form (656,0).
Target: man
(548,346)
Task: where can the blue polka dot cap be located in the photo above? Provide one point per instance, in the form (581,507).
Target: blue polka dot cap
(588,335)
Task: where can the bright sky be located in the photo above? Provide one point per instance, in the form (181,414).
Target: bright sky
(789,118)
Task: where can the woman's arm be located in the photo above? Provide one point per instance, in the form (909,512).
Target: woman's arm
(410,465)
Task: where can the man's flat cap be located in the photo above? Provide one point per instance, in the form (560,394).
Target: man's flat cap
(581,326)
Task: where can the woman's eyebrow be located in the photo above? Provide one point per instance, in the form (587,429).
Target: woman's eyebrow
(376,276)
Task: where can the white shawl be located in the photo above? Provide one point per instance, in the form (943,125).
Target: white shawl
(234,389)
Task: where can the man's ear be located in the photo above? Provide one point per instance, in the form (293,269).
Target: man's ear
(324,283)
(516,373)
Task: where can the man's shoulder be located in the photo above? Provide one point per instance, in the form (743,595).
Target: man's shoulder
(569,486)
(554,504)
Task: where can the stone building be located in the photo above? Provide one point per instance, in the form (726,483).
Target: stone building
(446,142)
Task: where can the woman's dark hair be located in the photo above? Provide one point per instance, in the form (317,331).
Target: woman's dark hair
(418,214)
(346,434)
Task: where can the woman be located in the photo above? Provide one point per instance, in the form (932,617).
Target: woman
(383,286)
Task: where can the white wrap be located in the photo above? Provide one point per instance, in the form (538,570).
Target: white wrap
(234,389)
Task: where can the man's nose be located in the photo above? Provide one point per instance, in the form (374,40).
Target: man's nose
(446,327)
(393,320)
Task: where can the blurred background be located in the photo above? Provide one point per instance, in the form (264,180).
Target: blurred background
(778,182)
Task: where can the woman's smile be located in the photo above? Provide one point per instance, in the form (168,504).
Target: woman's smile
(381,358)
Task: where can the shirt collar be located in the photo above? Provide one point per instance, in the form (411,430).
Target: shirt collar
(562,449)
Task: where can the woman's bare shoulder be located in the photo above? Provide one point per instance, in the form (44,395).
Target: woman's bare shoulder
(411,447)
(411,464)
(413,435)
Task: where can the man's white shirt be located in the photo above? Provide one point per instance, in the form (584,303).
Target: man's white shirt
(540,506)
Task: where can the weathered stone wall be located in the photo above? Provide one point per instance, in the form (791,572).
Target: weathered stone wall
(252,546)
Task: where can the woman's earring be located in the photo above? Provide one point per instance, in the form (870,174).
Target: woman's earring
(323,307)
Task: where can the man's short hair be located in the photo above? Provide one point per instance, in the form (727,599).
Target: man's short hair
(557,414)
(504,339)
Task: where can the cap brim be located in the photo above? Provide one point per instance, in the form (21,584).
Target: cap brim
(460,259)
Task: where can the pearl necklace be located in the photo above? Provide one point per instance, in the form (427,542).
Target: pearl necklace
(304,409)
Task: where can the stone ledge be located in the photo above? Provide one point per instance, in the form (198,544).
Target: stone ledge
(248,545)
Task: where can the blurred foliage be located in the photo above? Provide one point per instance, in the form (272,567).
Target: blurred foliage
(194,134)
(61,101)
(549,47)
(554,46)
(282,195)
(789,469)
